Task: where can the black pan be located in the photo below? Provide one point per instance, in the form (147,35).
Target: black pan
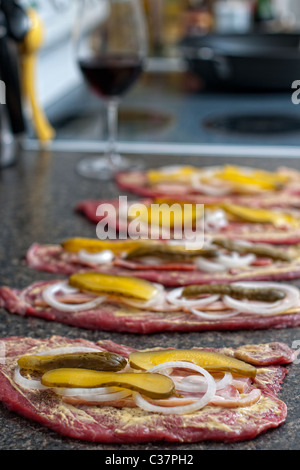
(244,61)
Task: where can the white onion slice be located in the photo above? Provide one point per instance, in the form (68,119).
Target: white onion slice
(67,350)
(197,405)
(27,383)
(260,308)
(101,257)
(208,189)
(214,316)
(235,260)
(209,266)
(83,392)
(50,299)
(173,298)
(150,261)
(215,220)
(225,381)
(197,383)
(94,395)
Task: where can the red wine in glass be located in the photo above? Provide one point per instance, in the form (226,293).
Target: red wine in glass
(111,75)
(111,48)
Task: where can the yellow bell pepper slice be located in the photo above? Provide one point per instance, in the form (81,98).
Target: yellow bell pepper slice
(263,179)
(167,214)
(182,174)
(92,245)
(259,215)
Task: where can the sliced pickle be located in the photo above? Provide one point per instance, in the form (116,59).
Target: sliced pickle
(261,250)
(103,361)
(151,385)
(259,215)
(94,245)
(179,253)
(209,360)
(118,285)
(265,294)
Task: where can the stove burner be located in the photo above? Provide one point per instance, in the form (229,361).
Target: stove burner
(255,124)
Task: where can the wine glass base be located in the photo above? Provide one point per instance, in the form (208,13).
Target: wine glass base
(103,168)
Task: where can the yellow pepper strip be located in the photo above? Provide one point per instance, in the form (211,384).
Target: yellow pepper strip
(167,214)
(100,283)
(209,360)
(238,176)
(92,245)
(151,385)
(182,175)
(259,215)
(263,179)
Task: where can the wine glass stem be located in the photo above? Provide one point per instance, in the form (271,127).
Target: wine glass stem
(112,114)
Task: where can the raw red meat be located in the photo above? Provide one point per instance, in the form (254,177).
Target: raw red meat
(113,425)
(136,182)
(53,258)
(122,318)
(253,232)
(89,209)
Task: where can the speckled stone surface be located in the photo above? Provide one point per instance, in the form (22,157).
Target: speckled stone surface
(37,200)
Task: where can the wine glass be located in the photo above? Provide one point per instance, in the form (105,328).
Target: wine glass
(111,48)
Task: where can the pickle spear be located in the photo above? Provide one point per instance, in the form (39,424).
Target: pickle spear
(209,360)
(257,249)
(150,385)
(117,285)
(237,292)
(104,361)
(173,252)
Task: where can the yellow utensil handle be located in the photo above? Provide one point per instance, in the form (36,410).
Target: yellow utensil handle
(43,129)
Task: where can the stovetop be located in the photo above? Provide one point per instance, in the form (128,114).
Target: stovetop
(167,110)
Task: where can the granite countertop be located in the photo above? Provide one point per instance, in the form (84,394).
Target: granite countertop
(37,200)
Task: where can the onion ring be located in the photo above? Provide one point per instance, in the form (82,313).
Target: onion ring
(214,316)
(197,405)
(259,308)
(27,383)
(49,297)
(207,189)
(235,260)
(209,266)
(215,220)
(172,298)
(68,350)
(102,257)
(94,395)
(196,383)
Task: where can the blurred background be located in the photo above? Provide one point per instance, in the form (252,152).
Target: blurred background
(219,72)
